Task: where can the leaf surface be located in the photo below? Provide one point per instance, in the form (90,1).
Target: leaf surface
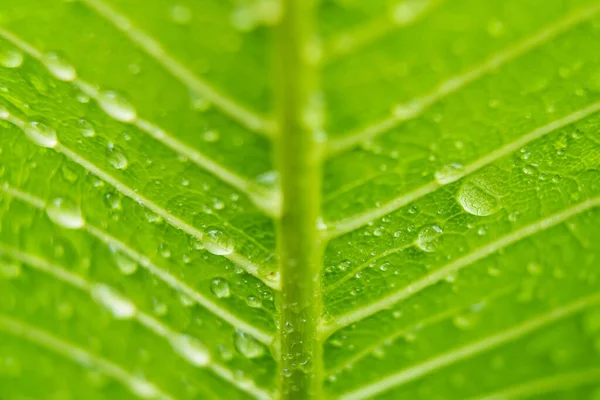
(342,199)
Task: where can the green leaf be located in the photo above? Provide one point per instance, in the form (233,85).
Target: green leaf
(298,199)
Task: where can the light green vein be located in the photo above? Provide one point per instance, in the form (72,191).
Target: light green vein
(246,264)
(341,227)
(548,384)
(154,49)
(472,349)
(462,262)
(160,273)
(415,107)
(144,319)
(266,200)
(138,386)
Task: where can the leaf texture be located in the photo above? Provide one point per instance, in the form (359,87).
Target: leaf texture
(345,199)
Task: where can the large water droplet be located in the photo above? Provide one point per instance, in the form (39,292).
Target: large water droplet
(41,134)
(218,243)
(247,346)
(10,58)
(65,213)
(117,106)
(476,200)
(429,238)
(116,156)
(220,288)
(120,306)
(59,67)
(191,349)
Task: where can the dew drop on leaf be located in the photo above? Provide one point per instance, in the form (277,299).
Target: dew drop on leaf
(86,128)
(429,238)
(9,270)
(59,67)
(247,346)
(116,156)
(476,200)
(218,243)
(10,58)
(119,306)
(4,114)
(191,349)
(449,173)
(143,388)
(254,301)
(220,288)
(180,14)
(117,106)
(41,134)
(65,213)
(126,264)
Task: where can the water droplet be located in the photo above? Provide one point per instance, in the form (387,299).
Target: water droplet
(65,213)
(254,301)
(120,306)
(211,136)
(10,58)
(116,156)
(407,11)
(247,346)
(199,102)
(191,349)
(41,134)
(126,264)
(449,173)
(218,243)
(181,14)
(59,67)
(9,270)
(117,106)
(429,238)
(4,113)
(143,388)
(476,200)
(86,128)
(220,288)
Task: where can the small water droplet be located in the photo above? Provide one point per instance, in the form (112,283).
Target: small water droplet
(86,128)
(247,346)
(41,134)
(429,238)
(191,349)
(65,213)
(59,67)
(218,243)
(476,200)
(449,173)
(199,102)
(120,306)
(180,14)
(211,136)
(10,58)
(254,301)
(116,156)
(9,270)
(117,106)
(220,288)
(143,388)
(4,113)
(126,264)
(407,11)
